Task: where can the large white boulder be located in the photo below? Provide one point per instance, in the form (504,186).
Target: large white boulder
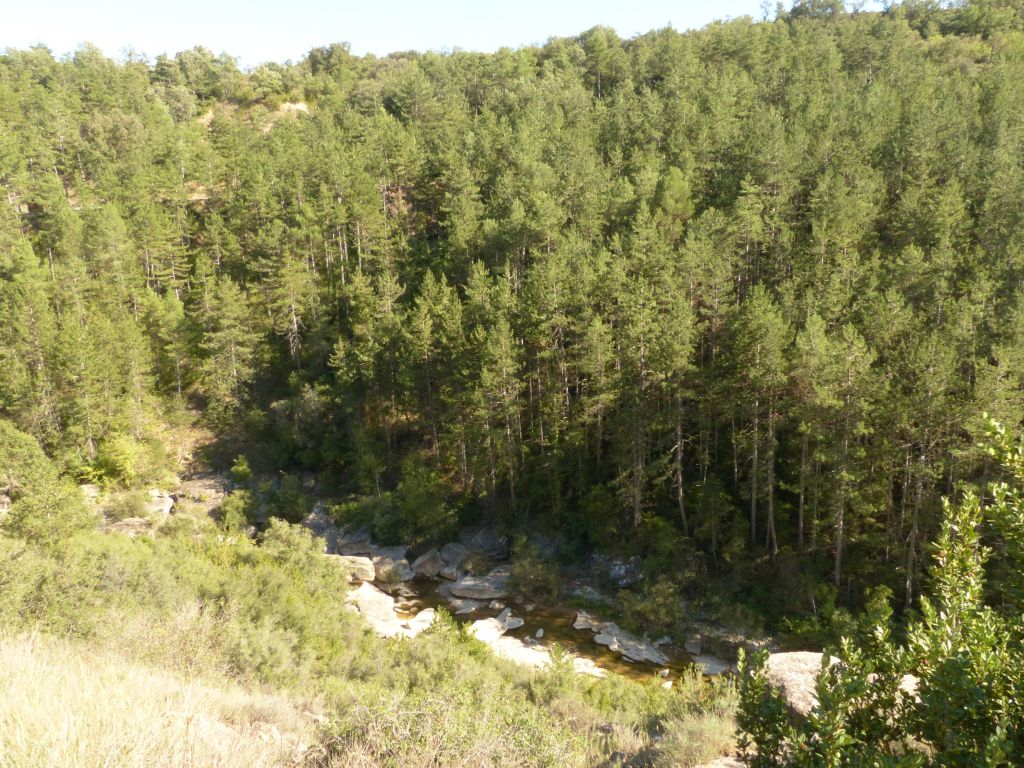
(794,675)
(378,609)
(531,654)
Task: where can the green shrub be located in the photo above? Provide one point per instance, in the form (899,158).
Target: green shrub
(534,575)
(124,505)
(240,471)
(657,607)
(235,510)
(288,501)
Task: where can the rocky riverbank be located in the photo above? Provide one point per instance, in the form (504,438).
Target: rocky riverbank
(398,595)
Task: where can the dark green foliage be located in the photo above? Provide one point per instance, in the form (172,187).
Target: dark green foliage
(752,282)
(966,649)
(534,575)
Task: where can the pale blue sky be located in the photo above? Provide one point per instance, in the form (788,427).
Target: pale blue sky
(276,30)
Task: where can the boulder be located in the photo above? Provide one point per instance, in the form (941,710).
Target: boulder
(794,675)
(693,645)
(453,554)
(420,622)
(429,564)
(488,541)
(488,630)
(353,539)
(359,543)
(390,570)
(159,505)
(495,584)
(509,621)
(359,568)
(378,609)
(539,633)
(587,667)
(450,572)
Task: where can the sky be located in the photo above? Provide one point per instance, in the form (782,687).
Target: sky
(255,31)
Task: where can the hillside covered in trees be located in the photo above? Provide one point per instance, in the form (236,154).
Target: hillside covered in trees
(732,300)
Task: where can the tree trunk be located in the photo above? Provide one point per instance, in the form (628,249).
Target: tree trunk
(753,477)
(772,538)
(804,440)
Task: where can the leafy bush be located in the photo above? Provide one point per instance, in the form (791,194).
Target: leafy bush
(288,500)
(657,607)
(534,575)
(45,508)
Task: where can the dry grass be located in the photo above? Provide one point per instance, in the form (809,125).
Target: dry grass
(63,705)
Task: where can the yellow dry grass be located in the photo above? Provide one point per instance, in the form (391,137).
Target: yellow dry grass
(65,705)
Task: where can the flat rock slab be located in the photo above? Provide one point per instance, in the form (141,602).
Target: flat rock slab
(712,665)
(495,584)
(619,640)
(378,609)
(492,633)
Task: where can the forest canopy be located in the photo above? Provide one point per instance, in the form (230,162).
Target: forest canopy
(732,300)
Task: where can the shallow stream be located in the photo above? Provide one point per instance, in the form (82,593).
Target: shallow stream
(557,623)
